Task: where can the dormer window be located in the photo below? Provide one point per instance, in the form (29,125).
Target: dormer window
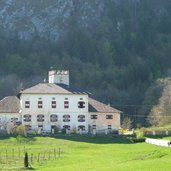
(27,104)
(81,104)
(40,104)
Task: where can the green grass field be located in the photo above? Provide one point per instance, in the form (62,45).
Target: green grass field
(79,153)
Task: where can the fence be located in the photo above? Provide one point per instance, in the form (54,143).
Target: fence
(14,157)
(157,132)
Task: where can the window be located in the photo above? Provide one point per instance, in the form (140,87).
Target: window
(27,118)
(109,127)
(14,120)
(94,126)
(53,104)
(27,104)
(93,116)
(81,104)
(40,127)
(109,116)
(40,118)
(81,118)
(53,118)
(81,127)
(66,118)
(40,104)
(28,127)
(66,104)
(67,127)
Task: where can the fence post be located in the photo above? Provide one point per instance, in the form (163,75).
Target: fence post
(19,152)
(49,154)
(6,155)
(31,158)
(54,153)
(59,152)
(38,157)
(13,154)
(44,156)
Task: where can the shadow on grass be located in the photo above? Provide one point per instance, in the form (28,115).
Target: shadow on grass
(95,139)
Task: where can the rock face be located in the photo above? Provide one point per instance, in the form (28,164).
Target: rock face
(48,18)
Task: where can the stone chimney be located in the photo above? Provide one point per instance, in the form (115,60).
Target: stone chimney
(59,77)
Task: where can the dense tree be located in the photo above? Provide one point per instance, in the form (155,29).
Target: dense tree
(116,49)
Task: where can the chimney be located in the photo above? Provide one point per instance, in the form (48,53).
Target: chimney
(59,77)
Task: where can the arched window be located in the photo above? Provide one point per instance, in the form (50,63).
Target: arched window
(81,118)
(53,118)
(27,118)
(66,118)
(40,118)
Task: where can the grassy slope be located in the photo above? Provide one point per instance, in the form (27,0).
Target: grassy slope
(97,154)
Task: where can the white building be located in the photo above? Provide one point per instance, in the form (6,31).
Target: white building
(46,106)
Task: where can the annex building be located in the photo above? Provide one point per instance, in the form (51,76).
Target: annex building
(51,105)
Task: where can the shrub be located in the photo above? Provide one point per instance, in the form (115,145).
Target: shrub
(26,163)
(74,130)
(20,130)
(63,131)
(136,140)
(139,134)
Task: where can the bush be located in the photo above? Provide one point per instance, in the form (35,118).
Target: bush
(63,131)
(139,134)
(137,140)
(74,130)
(20,130)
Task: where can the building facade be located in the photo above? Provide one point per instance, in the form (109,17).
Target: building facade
(51,105)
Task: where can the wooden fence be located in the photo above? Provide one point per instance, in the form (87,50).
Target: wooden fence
(15,157)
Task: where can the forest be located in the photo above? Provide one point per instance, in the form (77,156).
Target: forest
(115,49)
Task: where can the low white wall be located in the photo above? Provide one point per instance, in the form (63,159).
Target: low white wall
(165,143)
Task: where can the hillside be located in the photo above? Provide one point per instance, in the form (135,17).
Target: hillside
(115,49)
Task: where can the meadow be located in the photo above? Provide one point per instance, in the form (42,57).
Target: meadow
(81,153)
